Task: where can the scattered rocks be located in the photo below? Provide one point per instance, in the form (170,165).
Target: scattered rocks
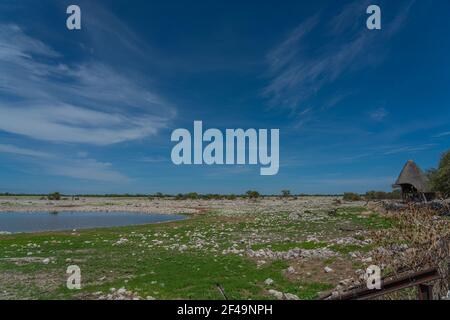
(288,255)
(120,294)
(283,296)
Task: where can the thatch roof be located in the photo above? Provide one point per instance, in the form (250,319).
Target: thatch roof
(412,175)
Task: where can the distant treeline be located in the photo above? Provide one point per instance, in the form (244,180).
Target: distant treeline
(189,195)
(251,194)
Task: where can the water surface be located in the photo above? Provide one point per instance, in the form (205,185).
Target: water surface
(15,222)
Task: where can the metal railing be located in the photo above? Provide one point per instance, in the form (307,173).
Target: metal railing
(421,279)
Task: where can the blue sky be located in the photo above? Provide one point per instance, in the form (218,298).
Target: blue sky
(92,111)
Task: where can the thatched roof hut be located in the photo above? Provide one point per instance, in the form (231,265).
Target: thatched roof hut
(414,183)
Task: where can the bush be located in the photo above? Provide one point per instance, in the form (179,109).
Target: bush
(418,240)
(54,196)
(350,196)
(251,194)
(285,193)
(440,178)
(179,197)
(192,195)
(381,195)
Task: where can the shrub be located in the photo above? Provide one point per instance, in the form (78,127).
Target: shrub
(418,240)
(192,195)
(251,194)
(381,195)
(54,196)
(179,197)
(286,193)
(350,196)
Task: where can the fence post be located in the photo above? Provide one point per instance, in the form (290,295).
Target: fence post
(425,291)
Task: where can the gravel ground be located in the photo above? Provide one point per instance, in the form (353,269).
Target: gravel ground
(171,206)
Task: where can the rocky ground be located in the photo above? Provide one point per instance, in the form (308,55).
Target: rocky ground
(271,248)
(172,206)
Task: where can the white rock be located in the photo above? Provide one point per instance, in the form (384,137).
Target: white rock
(268,281)
(276,294)
(290,296)
(46,261)
(328,269)
(291,270)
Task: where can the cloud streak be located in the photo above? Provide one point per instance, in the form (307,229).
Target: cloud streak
(43,98)
(58,165)
(7,148)
(298,69)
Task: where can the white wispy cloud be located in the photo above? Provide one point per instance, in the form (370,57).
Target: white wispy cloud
(43,98)
(298,69)
(86,169)
(66,166)
(409,149)
(442,134)
(7,148)
(154,159)
(346,20)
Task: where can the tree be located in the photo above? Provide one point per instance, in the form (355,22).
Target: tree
(54,196)
(286,193)
(251,194)
(440,177)
(192,195)
(179,197)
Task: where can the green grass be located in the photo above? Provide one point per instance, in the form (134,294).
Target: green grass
(372,221)
(158,271)
(151,264)
(286,246)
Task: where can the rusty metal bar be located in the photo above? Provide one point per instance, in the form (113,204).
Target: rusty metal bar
(392,285)
(425,292)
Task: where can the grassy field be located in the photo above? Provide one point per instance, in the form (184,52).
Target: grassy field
(186,259)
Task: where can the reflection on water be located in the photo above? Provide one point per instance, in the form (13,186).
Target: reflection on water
(51,221)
